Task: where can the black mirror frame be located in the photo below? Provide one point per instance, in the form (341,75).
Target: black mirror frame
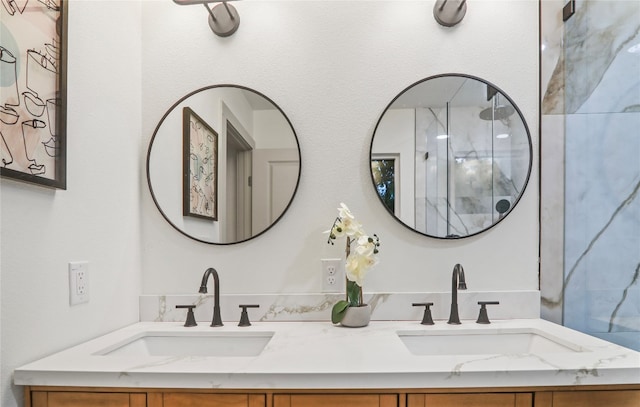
(155,132)
(526,127)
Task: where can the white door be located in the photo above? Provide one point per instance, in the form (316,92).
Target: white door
(275,175)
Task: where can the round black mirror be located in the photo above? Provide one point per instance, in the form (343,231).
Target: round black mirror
(451,156)
(223,164)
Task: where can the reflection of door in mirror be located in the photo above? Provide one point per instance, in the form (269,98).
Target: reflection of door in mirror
(396,140)
(258,164)
(276,168)
(275,176)
(385,177)
(238,193)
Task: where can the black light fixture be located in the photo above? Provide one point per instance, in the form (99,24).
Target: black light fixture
(223,18)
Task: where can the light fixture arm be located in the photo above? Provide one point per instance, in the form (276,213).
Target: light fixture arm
(223,18)
(224,3)
(209,10)
(449,12)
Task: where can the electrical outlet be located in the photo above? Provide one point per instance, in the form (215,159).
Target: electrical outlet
(78,282)
(332,276)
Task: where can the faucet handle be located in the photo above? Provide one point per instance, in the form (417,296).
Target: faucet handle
(426,318)
(191,319)
(244,316)
(483,317)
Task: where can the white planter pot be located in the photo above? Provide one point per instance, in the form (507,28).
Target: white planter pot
(357,317)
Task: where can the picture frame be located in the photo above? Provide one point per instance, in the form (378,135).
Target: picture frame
(200,167)
(33,92)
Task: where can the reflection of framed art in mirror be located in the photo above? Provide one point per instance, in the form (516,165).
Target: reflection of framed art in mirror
(270,170)
(200,167)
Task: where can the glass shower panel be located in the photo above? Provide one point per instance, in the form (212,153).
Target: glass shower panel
(602,170)
(471,160)
(431,170)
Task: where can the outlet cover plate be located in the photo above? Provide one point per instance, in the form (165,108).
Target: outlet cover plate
(333,276)
(78,282)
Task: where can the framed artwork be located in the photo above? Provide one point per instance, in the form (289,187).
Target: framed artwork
(199,167)
(33,52)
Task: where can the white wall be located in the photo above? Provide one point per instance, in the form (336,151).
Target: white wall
(271,130)
(396,136)
(96,219)
(332,66)
(214,106)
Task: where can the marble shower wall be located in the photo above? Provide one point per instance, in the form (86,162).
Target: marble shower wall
(590,132)
(499,166)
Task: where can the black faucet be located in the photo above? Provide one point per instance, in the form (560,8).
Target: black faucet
(457,283)
(216,321)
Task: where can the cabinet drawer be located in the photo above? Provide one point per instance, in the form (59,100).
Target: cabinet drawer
(212,400)
(335,400)
(471,400)
(87,399)
(600,398)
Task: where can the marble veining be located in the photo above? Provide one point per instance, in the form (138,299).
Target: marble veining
(552,145)
(278,309)
(456,203)
(599,233)
(601,228)
(625,292)
(552,217)
(318,355)
(162,307)
(590,49)
(317,307)
(552,67)
(593,89)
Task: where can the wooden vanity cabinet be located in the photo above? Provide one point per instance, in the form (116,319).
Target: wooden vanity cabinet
(582,396)
(325,400)
(208,400)
(589,398)
(79,397)
(85,399)
(471,400)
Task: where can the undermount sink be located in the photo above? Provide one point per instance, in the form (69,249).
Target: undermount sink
(483,342)
(217,344)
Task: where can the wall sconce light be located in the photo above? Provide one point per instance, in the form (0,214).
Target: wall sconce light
(449,12)
(223,18)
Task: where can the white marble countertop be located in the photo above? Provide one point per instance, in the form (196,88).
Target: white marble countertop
(319,355)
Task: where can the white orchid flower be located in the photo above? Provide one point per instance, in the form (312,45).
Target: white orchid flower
(366,246)
(351,227)
(362,257)
(344,212)
(361,250)
(356,269)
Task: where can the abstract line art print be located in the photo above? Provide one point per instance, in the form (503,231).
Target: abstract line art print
(33,35)
(200,167)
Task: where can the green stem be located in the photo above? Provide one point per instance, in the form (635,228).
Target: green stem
(354,291)
(347,251)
